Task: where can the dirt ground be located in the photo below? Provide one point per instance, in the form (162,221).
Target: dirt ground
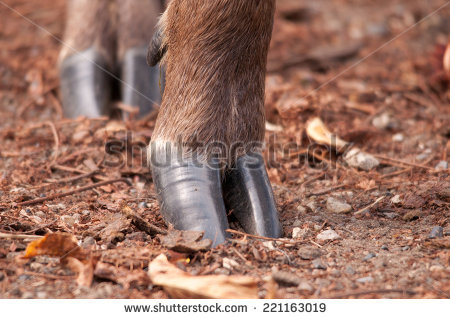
(360,66)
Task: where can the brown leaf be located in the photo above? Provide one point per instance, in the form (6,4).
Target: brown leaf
(179,284)
(56,245)
(85,270)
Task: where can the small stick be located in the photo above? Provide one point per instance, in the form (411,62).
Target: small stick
(327,190)
(74,191)
(19,236)
(286,241)
(369,206)
(403,162)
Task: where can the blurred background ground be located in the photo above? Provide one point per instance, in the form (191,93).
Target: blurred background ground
(350,232)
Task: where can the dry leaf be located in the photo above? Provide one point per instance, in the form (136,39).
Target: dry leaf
(55,245)
(66,247)
(179,284)
(85,270)
(317,131)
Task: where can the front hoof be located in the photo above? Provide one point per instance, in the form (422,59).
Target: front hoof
(190,196)
(85,85)
(247,192)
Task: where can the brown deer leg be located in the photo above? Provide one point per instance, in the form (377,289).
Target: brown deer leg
(86,58)
(137,21)
(216,54)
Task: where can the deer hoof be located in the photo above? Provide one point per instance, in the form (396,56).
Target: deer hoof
(248,194)
(85,85)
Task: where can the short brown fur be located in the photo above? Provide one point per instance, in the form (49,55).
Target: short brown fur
(216,61)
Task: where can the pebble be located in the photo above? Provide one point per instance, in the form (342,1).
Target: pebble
(301,209)
(287,279)
(328,234)
(369,256)
(424,155)
(399,137)
(41,295)
(300,233)
(143,205)
(318,264)
(88,242)
(405,248)
(364,280)
(358,159)
(309,253)
(442,165)
(391,215)
(382,121)
(269,245)
(336,206)
(69,220)
(305,287)
(396,200)
(349,270)
(28,295)
(436,232)
(437,268)
(384,247)
(335,273)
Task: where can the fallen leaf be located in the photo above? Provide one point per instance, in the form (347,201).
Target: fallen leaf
(180,284)
(72,255)
(318,132)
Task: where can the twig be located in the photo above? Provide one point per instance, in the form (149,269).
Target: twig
(56,138)
(239,255)
(286,241)
(325,191)
(49,276)
(19,236)
(376,291)
(403,162)
(369,206)
(78,190)
(74,178)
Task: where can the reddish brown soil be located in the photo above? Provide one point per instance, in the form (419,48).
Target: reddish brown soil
(331,59)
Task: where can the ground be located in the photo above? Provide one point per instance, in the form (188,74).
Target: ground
(371,70)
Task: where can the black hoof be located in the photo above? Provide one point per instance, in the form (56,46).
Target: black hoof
(141,84)
(85,85)
(190,197)
(247,192)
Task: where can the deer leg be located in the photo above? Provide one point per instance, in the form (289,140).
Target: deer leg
(87,58)
(137,20)
(216,54)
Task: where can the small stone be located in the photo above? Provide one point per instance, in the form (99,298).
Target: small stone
(318,264)
(88,242)
(406,248)
(391,215)
(336,206)
(301,209)
(85,212)
(305,287)
(297,223)
(287,279)
(229,263)
(327,235)
(335,273)
(399,137)
(269,245)
(309,253)
(396,200)
(349,270)
(382,121)
(358,159)
(365,280)
(424,155)
(369,256)
(442,165)
(436,232)
(312,205)
(143,205)
(384,247)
